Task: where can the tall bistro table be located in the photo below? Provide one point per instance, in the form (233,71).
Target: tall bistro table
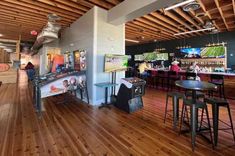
(195,86)
(105,85)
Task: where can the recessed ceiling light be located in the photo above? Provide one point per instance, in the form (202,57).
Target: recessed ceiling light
(1,35)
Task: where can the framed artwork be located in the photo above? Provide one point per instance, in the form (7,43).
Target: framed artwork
(77,60)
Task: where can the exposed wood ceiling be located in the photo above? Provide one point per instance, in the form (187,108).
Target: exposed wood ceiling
(22,16)
(162,25)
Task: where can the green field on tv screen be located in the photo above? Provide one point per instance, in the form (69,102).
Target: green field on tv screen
(217,51)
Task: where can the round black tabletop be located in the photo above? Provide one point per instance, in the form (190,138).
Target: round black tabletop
(195,85)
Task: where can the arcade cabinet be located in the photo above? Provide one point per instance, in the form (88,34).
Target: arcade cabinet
(129,97)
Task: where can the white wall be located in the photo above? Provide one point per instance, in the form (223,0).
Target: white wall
(110,40)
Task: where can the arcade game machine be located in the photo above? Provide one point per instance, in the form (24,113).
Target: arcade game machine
(129,97)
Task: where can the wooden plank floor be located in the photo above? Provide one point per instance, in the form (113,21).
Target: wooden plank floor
(79,129)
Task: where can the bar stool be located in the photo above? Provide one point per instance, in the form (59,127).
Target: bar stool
(172,77)
(194,106)
(216,104)
(188,93)
(218,80)
(150,78)
(154,74)
(161,77)
(175,102)
(0,83)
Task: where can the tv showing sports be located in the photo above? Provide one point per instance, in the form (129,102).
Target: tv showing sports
(191,52)
(150,56)
(213,52)
(139,57)
(162,56)
(114,62)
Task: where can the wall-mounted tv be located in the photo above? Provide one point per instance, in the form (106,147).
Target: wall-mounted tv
(150,56)
(205,52)
(139,57)
(162,56)
(153,56)
(114,62)
(217,51)
(191,52)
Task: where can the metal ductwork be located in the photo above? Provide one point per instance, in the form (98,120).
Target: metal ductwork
(48,34)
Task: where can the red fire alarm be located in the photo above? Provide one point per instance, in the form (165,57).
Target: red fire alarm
(33,32)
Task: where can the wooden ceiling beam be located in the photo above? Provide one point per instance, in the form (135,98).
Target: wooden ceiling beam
(26,13)
(207,13)
(61,6)
(74,5)
(31,18)
(152,26)
(113,2)
(35,9)
(84,3)
(221,13)
(187,17)
(149,33)
(177,19)
(161,35)
(180,21)
(193,15)
(139,34)
(166,20)
(36,4)
(150,22)
(23,20)
(101,4)
(160,23)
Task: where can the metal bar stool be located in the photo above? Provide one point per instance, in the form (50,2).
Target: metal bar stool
(175,103)
(194,106)
(216,104)
(172,77)
(161,77)
(218,80)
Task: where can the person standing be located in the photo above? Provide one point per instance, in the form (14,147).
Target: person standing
(30,71)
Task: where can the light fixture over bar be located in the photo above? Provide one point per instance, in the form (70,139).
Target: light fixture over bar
(130,40)
(193,31)
(179,4)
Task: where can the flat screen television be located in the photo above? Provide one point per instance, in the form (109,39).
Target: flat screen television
(151,56)
(213,52)
(139,57)
(205,52)
(114,62)
(191,52)
(162,56)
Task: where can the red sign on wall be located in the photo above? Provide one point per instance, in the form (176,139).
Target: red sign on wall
(4,67)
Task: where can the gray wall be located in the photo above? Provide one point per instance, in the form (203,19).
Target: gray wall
(199,41)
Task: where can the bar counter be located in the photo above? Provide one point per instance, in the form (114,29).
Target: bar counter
(229,80)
